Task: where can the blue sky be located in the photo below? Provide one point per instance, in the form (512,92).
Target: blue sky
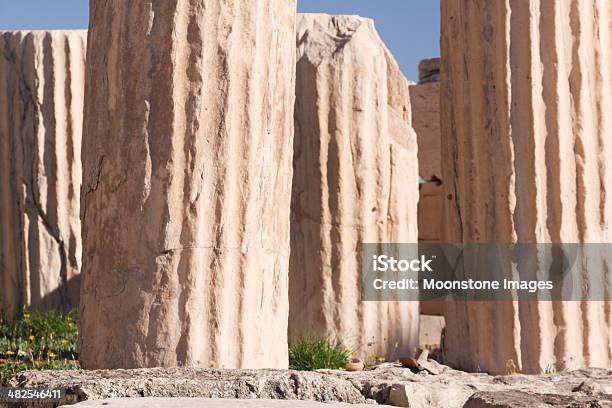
(410,28)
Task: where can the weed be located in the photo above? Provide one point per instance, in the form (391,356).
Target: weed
(309,354)
(550,369)
(38,341)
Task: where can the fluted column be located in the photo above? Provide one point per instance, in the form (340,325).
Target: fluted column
(187,179)
(527,141)
(355,181)
(41,116)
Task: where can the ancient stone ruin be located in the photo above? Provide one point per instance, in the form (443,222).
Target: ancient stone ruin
(526,107)
(394,386)
(211,234)
(355,181)
(187,183)
(425,101)
(41,105)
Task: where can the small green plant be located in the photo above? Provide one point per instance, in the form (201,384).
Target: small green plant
(38,341)
(550,369)
(309,354)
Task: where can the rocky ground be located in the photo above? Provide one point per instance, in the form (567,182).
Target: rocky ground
(387,384)
(155,402)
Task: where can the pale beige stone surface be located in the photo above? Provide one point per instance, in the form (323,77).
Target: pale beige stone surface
(425,102)
(386,384)
(355,181)
(153,402)
(41,115)
(431,331)
(187,178)
(526,102)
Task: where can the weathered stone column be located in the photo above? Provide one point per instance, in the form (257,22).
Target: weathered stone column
(355,181)
(41,112)
(527,140)
(187,183)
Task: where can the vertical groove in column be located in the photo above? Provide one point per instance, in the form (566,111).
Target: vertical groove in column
(605,36)
(42,94)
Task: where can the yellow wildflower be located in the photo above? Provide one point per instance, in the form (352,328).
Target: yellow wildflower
(31,338)
(9,353)
(52,355)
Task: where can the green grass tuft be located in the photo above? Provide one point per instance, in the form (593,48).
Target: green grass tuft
(38,341)
(309,354)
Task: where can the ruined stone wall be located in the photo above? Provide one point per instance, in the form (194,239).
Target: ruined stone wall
(527,139)
(187,178)
(355,181)
(425,101)
(41,111)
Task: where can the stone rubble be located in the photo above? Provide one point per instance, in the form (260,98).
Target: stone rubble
(387,384)
(151,402)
